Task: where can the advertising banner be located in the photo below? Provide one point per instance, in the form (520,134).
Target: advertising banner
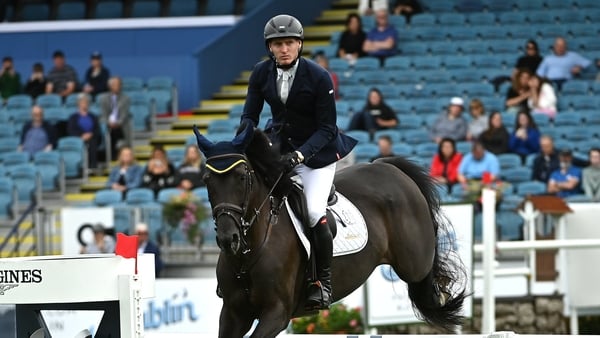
(76,226)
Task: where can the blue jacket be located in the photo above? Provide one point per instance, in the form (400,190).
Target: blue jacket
(158,264)
(307,121)
(529,146)
(133,176)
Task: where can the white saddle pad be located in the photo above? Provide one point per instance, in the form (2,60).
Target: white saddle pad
(352,234)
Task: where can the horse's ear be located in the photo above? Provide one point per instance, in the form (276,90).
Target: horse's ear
(203,143)
(244,135)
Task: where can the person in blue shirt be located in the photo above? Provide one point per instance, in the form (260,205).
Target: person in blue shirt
(566,180)
(525,139)
(381,40)
(476,163)
(84,124)
(563,65)
(127,174)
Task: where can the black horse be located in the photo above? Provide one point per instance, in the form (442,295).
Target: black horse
(262,268)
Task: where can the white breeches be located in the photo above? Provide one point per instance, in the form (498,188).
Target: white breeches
(317,184)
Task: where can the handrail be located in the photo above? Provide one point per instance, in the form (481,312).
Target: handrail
(14,232)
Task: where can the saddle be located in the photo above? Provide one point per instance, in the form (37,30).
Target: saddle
(297,202)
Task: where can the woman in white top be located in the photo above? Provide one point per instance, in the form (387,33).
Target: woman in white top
(479,121)
(543,97)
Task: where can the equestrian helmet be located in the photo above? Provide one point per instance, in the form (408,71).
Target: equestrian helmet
(283,26)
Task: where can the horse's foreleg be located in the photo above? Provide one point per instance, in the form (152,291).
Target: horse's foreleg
(232,324)
(271,322)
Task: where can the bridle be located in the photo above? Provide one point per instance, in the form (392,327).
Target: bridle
(238,213)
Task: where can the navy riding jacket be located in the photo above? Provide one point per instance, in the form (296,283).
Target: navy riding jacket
(307,121)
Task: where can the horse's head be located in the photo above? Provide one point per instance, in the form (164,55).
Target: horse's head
(229,182)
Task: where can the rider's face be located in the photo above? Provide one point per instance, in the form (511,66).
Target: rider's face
(285,50)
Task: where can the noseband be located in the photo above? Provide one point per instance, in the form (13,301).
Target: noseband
(237,213)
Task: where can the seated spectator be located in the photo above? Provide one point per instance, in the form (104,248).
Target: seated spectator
(450,124)
(145,245)
(384,143)
(591,176)
(127,174)
(381,40)
(37,134)
(495,138)
(10,80)
(84,124)
(190,174)
(102,243)
(565,181)
(323,61)
(477,167)
(518,94)
(114,110)
(369,7)
(444,165)
(376,115)
(62,79)
(525,139)
(479,121)
(159,172)
(546,161)
(531,60)
(408,8)
(352,39)
(563,65)
(542,99)
(36,84)
(96,77)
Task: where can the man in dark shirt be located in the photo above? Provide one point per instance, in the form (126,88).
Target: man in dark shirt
(532,58)
(546,162)
(96,77)
(62,79)
(10,80)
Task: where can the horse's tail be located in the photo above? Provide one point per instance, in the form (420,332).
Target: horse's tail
(438,298)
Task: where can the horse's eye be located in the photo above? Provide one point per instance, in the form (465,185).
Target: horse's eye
(242,177)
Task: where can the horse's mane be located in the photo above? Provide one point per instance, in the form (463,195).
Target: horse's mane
(264,159)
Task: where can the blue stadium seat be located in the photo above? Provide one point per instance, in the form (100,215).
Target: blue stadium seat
(109,9)
(473,47)
(402,107)
(579,102)
(341,108)
(452,19)
(551,30)
(567,119)
(364,152)
(511,225)
(439,90)
(542,120)
(482,19)
(14,158)
(339,65)
(425,19)
(183,8)
(583,4)
(410,122)
(389,92)
(579,132)
(403,77)
(499,5)
(426,62)
(71,100)
(394,135)
(510,202)
(176,155)
(145,9)
(575,87)
(131,84)
(458,34)
(541,17)
(27,181)
(141,116)
(160,83)
(584,146)
(509,161)
(402,149)
(478,89)
(73,153)
(509,18)
(162,100)
(219,7)
(531,188)
(431,33)
(516,175)
(415,137)
(354,92)
(330,51)
(52,171)
(343,122)
(8,198)
(8,130)
(371,77)
(443,48)
(531,5)
(457,62)
(49,100)
(36,12)
(366,63)
(360,135)
(491,32)
(107,197)
(463,147)
(579,198)
(201,193)
(19,101)
(413,49)
(71,11)
(439,6)
(470,6)
(436,76)
(166,194)
(589,43)
(139,196)
(591,117)
(472,74)
(9,144)
(397,62)
(426,149)
(505,46)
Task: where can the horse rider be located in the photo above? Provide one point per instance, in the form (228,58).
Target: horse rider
(302,101)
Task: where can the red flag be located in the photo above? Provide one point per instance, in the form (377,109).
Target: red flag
(127,246)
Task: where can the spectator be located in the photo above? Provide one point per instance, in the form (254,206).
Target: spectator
(525,139)
(531,60)
(562,65)
(495,138)
(190,174)
(591,176)
(37,134)
(10,80)
(376,114)
(36,84)
(565,181)
(96,77)
(381,40)
(352,39)
(384,143)
(408,8)
(546,161)
(542,99)
(127,174)
(518,94)
(479,121)
(323,61)
(477,164)
(102,243)
(370,7)
(62,79)
(114,109)
(444,165)
(145,245)
(159,173)
(84,124)
(450,124)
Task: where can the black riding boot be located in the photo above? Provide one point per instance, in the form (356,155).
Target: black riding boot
(319,293)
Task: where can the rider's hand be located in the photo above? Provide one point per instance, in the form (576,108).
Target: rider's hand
(290,161)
